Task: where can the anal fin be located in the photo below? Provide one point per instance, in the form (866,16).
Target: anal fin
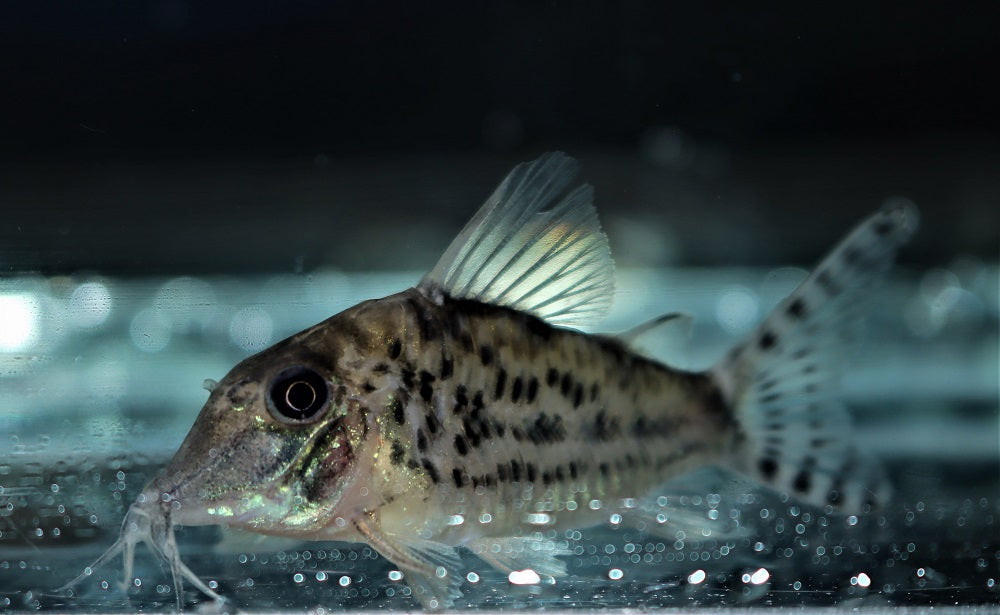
(522,552)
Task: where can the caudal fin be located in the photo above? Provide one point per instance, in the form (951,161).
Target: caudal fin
(782,380)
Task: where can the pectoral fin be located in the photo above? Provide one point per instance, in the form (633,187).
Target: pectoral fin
(430,568)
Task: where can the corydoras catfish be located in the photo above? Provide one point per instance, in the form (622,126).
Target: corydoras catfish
(467,412)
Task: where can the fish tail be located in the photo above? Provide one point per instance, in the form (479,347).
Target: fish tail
(782,380)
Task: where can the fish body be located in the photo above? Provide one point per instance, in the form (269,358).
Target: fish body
(466,412)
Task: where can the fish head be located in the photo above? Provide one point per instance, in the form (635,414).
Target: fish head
(275,448)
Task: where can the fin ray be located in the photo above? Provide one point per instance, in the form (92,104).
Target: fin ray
(536,246)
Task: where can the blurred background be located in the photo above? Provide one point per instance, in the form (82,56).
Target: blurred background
(183,184)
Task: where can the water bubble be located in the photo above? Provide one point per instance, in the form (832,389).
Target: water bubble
(615,574)
(395,575)
(472,577)
(150,331)
(696,577)
(251,328)
(298,577)
(344,581)
(737,310)
(89,305)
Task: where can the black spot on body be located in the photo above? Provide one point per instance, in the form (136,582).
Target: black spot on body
(552,377)
(456,475)
(368,387)
(432,422)
(426,388)
(768,468)
(502,472)
(477,401)
(396,457)
(605,469)
(486,354)
(515,389)
(546,429)
(547,477)
(532,389)
(605,427)
(515,470)
(531,471)
(395,348)
(447,366)
(461,446)
(767,340)
(380,368)
(595,390)
(577,395)
(566,384)
(471,432)
(431,470)
(396,407)
(461,399)
(766,399)
(501,384)
(421,440)
(409,378)
(574,470)
(797,309)
(825,280)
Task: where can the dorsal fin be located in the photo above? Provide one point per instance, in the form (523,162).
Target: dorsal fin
(535,246)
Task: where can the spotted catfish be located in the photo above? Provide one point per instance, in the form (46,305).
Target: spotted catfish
(466,412)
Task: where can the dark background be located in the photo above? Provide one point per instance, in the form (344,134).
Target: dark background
(178,136)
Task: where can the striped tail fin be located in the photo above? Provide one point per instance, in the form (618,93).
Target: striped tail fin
(782,380)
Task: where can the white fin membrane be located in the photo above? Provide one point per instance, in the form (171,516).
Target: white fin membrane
(783,379)
(535,246)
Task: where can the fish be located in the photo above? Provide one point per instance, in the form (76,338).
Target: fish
(470,411)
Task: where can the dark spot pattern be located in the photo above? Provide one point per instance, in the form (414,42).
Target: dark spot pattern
(797,309)
(515,470)
(456,475)
(432,422)
(883,228)
(515,389)
(546,429)
(432,471)
(396,407)
(461,445)
(566,384)
(530,471)
(461,399)
(447,366)
(577,395)
(768,467)
(552,377)
(501,384)
(421,440)
(396,456)
(605,427)
(486,354)
(825,280)
(767,340)
(409,378)
(426,388)
(395,348)
(532,389)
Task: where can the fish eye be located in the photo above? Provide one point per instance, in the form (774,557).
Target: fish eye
(297,394)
